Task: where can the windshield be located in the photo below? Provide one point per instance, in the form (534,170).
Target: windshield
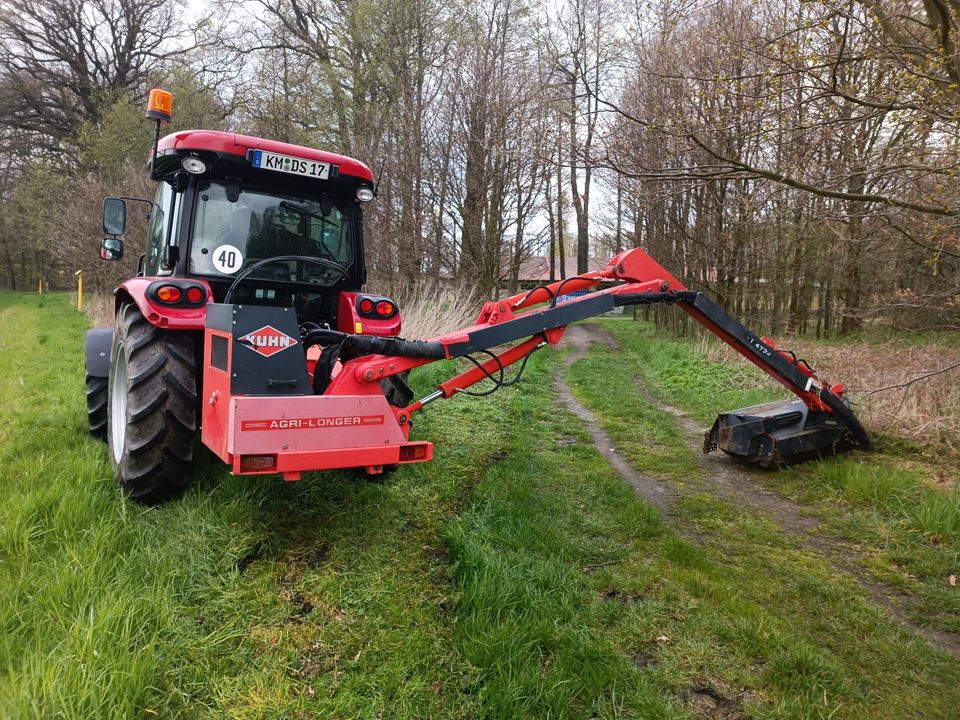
(229,236)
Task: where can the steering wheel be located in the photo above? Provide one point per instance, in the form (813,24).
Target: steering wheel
(328,264)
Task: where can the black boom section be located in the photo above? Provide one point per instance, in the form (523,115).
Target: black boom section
(699,306)
(533,323)
(746,339)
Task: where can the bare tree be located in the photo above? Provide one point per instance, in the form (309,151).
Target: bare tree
(798,124)
(61,60)
(584,51)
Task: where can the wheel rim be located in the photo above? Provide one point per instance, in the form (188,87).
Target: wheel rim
(118,404)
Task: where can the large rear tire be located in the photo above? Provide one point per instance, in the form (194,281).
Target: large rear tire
(151,408)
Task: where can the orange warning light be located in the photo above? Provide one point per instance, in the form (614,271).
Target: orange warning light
(160,106)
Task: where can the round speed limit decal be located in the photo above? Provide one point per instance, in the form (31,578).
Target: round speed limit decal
(227,259)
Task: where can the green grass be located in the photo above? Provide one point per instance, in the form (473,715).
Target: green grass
(644,431)
(516,576)
(910,530)
(685,378)
(196,609)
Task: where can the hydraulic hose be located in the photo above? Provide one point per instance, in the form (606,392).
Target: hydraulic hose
(343,346)
(357,345)
(842,411)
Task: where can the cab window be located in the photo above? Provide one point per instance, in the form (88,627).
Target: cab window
(230,235)
(158,228)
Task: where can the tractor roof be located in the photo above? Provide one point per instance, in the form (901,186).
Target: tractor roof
(233,144)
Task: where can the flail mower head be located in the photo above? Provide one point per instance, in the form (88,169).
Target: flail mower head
(778,433)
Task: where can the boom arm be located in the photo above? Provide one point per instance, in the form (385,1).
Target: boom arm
(640,280)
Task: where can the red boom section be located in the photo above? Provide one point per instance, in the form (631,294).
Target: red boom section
(639,280)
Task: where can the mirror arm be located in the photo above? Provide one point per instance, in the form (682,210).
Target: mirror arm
(153,155)
(171,251)
(151,203)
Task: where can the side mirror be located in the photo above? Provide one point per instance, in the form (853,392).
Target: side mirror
(114,217)
(111,248)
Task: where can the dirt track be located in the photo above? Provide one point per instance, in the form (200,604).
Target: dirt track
(737,485)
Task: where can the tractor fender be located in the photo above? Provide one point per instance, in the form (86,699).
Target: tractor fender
(164,316)
(96,349)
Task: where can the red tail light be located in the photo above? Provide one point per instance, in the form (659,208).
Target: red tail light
(169,294)
(177,293)
(257,463)
(412,452)
(376,307)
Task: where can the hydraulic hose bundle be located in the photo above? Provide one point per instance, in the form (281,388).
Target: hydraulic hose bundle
(344,346)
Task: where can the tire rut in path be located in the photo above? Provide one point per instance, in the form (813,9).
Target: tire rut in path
(648,488)
(734,484)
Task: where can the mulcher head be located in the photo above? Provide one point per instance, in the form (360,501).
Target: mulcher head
(778,433)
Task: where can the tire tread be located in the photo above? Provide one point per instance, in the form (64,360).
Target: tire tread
(161,409)
(96,390)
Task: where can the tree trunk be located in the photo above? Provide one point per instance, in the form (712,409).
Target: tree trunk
(852,283)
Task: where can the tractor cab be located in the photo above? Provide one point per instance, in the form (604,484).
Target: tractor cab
(281,224)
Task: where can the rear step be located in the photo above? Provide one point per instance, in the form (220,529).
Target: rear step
(778,433)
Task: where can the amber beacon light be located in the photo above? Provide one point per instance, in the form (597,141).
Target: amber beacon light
(160,106)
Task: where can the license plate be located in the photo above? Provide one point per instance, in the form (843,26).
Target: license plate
(292,165)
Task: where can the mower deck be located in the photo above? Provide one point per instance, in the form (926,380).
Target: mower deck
(777,433)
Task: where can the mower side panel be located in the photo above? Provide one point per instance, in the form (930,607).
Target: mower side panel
(215,408)
(316,432)
(311,422)
(173,318)
(312,432)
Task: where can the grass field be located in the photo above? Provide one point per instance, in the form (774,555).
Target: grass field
(516,576)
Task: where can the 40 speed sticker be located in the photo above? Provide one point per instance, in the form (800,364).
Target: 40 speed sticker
(227,259)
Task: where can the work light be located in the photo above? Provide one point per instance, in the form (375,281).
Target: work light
(193,165)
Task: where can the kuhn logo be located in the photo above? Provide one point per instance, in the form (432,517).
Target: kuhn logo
(267,341)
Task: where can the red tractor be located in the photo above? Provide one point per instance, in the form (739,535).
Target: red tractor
(248,320)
